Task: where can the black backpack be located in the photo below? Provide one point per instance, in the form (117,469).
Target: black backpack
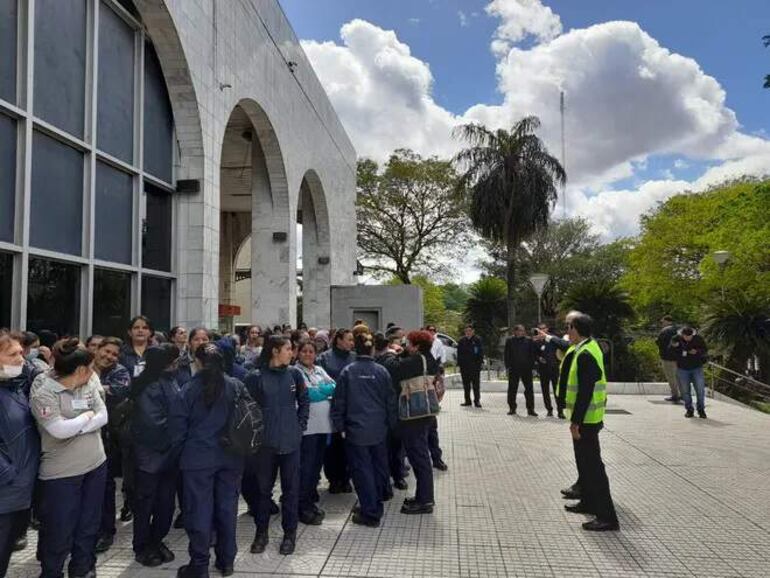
(242,435)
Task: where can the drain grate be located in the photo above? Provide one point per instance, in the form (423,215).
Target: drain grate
(617,411)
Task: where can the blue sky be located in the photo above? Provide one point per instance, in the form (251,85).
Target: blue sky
(724,37)
(663,97)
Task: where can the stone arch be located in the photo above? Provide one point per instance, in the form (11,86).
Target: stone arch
(316,251)
(254,200)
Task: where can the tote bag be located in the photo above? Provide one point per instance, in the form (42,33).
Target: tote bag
(418,396)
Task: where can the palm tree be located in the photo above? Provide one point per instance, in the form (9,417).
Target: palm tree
(512,181)
(605,302)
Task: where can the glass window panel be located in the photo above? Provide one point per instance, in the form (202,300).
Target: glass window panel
(112,302)
(53,300)
(156,301)
(57,196)
(6,288)
(115,113)
(114,214)
(158,119)
(60,63)
(156,233)
(7,177)
(8,31)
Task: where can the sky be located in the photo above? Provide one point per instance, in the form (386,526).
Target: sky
(662,97)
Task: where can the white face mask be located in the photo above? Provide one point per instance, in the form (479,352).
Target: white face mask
(11,371)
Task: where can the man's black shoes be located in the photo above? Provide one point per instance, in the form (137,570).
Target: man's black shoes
(361,520)
(578,508)
(288,544)
(260,542)
(702,414)
(465,404)
(601,526)
(689,413)
(400,485)
(440,465)
(415,508)
(477,404)
(532,414)
(149,558)
(571,493)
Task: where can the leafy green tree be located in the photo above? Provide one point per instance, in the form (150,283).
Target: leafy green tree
(486,310)
(432,299)
(513,182)
(409,213)
(455,296)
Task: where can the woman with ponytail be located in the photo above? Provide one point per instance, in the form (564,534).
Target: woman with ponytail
(280,391)
(155,393)
(210,474)
(363,410)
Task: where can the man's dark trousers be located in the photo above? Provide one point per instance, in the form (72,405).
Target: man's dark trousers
(369,469)
(524,375)
(594,484)
(471,380)
(549,377)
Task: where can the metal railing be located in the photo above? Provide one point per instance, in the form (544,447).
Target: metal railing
(736,385)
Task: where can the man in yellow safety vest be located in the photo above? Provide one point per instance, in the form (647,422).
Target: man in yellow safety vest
(586,400)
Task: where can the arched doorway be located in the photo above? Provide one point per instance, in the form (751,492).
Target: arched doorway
(313,216)
(254,202)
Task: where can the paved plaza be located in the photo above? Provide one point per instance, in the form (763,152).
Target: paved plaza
(693,497)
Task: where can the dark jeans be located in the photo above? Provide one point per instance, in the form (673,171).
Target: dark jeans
(433,443)
(369,468)
(12,527)
(471,380)
(70,514)
(335,461)
(211,504)
(311,461)
(396,455)
(548,379)
(267,464)
(525,376)
(594,484)
(153,507)
(415,437)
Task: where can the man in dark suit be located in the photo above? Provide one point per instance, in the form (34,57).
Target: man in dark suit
(470,356)
(520,353)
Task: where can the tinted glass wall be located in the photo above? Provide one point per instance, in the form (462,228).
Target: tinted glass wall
(91,235)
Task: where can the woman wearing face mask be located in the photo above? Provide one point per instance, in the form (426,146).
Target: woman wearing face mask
(21,449)
(155,394)
(280,391)
(70,413)
(210,474)
(320,388)
(334,361)
(132,354)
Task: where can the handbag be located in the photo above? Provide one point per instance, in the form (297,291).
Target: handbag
(418,397)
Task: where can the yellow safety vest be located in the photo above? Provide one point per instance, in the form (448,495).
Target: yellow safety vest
(595,412)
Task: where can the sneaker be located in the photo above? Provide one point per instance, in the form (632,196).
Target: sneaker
(689,413)
(288,544)
(260,542)
(362,520)
(165,554)
(149,558)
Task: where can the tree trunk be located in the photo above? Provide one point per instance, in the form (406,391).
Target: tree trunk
(511,279)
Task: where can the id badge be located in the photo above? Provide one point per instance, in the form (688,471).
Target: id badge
(138,369)
(684,354)
(81,405)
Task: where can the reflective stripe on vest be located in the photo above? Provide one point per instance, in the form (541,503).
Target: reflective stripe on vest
(559,385)
(595,412)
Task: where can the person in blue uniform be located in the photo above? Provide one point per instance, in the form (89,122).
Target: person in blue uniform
(334,361)
(363,409)
(155,394)
(211,475)
(198,336)
(280,391)
(69,411)
(116,382)
(21,448)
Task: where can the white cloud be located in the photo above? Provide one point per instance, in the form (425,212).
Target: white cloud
(628,98)
(463,18)
(414,21)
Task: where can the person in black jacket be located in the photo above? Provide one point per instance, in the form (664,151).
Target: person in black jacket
(280,391)
(389,350)
(20,444)
(547,364)
(417,361)
(520,353)
(154,393)
(470,357)
(668,356)
(691,355)
(363,409)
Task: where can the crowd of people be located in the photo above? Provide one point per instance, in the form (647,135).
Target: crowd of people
(156,410)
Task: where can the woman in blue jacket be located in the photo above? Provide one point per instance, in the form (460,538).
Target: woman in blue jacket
(280,391)
(211,475)
(155,393)
(334,360)
(363,410)
(20,446)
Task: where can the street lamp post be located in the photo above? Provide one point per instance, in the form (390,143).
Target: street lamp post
(721,258)
(538,282)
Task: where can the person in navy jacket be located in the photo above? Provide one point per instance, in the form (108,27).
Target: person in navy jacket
(211,475)
(20,445)
(280,391)
(363,410)
(333,361)
(155,394)
(198,336)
